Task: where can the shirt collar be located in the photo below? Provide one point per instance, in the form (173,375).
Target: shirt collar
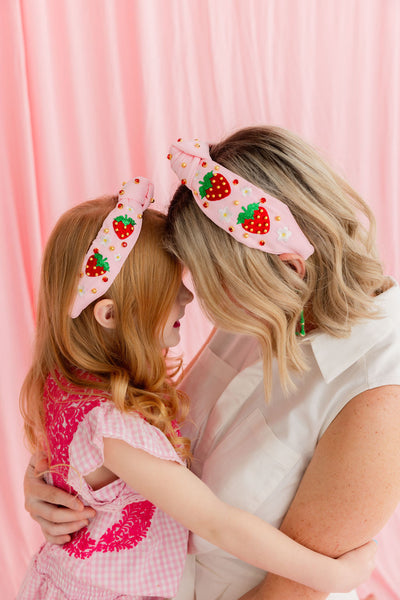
(335,355)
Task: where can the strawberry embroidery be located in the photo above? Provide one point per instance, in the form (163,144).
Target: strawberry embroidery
(254,219)
(123,226)
(214,187)
(96,264)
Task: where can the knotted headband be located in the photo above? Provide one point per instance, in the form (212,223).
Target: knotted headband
(115,239)
(244,211)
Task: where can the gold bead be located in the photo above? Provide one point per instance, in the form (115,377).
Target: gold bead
(94,291)
(197,145)
(124,183)
(183,165)
(106,230)
(216,168)
(246,235)
(121,193)
(236,202)
(139,216)
(152,201)
(112,248)
(277,218)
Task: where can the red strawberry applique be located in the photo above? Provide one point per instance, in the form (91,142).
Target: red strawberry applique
(96,264)
(254,219)
(123,226)
(214,187)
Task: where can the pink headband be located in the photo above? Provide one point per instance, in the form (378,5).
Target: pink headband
(246,212)
(115,240)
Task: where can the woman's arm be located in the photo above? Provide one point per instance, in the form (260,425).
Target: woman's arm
(58,513)
(350,488)
(179,493)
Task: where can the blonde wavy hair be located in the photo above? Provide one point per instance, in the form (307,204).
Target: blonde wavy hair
(128,361)
(255,293)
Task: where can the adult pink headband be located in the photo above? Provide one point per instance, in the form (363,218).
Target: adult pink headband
(244,211)
(115,239)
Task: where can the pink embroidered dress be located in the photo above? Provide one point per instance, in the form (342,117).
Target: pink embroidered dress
(131,549)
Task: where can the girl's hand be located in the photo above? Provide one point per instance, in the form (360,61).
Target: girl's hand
(59,514)
(358,565)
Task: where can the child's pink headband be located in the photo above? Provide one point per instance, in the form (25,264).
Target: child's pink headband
(115,240)
(246,212)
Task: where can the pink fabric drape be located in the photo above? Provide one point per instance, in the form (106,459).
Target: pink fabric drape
(93,91)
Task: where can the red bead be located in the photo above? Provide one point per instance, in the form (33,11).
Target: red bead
(124,244)
(204,164)
(120,205)
(262,243)
(95,250)
(235,181)
(169,156)
(183,182)
(137,180)
(179,139)
(263,200)
(105,279)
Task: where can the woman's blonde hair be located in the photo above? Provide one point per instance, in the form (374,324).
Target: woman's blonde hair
(128,361)
(252,292)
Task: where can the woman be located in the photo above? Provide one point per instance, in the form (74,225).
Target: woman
(302,431)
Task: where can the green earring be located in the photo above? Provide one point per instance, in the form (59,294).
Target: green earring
(302,331)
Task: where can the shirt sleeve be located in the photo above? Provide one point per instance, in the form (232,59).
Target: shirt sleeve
(106,421)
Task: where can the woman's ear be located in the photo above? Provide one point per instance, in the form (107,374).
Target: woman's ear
(295,262)
(104,313)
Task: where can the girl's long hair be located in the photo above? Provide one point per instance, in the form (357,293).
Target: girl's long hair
(128,362)
(251,292)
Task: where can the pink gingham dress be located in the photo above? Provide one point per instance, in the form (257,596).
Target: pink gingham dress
(131,549)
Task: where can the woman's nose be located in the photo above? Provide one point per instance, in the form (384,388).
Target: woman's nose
(185,295)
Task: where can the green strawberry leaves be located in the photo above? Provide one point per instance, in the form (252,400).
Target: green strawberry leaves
(125,220)
(206,184)
(248,212)
(101,262)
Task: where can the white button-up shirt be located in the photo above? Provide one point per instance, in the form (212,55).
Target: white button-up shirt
(253,454)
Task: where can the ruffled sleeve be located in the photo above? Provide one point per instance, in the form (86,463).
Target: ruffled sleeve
(105,420)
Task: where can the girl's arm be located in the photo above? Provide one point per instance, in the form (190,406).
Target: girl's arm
(178,492)
(350,488)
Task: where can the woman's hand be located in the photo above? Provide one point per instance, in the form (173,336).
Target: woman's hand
(59,514)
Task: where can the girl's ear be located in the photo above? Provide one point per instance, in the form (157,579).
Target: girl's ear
(295,262)
(104,313)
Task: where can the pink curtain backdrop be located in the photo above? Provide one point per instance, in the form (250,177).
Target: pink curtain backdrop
(93,91)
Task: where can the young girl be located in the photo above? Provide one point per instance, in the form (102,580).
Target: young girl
(100,399)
